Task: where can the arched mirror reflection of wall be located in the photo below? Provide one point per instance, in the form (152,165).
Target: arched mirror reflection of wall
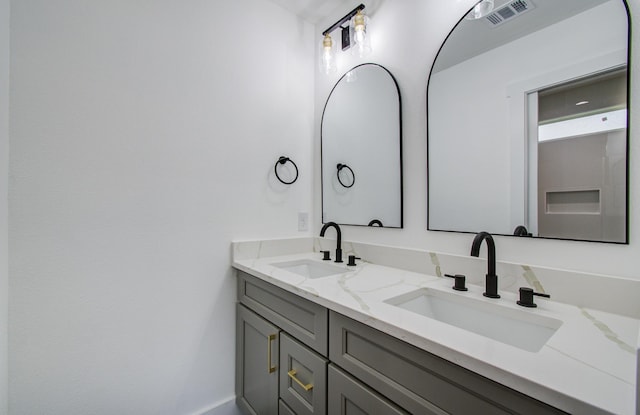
(362,151)
(527,122)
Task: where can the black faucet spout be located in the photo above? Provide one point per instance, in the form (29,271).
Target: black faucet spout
(521,230)
(339,238)
(491,288)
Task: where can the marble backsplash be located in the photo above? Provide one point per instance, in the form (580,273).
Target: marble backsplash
(602,292)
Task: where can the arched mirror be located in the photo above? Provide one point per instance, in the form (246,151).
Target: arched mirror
(361,150)
(527,122)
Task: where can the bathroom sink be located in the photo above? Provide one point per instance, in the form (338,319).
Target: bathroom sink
(310,269)
(519,328)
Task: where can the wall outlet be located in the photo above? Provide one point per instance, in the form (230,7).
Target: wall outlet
(303,221)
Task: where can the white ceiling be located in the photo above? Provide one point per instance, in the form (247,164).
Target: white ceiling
(471,38)
(314,11)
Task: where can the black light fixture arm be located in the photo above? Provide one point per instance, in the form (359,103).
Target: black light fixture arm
(344,19)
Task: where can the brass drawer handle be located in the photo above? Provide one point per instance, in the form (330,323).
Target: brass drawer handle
(292,375)
(270,368)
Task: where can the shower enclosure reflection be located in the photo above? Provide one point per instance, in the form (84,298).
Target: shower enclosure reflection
(577,159)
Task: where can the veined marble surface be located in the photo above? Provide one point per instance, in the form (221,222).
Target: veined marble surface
(587,367)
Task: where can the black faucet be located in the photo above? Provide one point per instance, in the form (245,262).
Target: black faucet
(521,230)
(491,285)
(339,242)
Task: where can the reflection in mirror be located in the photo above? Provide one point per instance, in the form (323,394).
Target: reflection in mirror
(527,122)
(580,159)
(361,150)
(346,176)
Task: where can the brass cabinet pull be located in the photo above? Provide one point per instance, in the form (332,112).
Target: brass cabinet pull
(270,368)
(292,375)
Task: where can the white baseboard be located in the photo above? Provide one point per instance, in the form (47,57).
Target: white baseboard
(227,407)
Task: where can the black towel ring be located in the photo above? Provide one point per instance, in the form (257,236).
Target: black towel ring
(341,166)
(283,160)
(376,222)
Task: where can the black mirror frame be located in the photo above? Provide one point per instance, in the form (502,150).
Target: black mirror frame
(399,144)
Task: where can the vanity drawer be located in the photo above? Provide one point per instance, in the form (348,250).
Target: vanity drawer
(419,381)
(305,320)
(303,378)
(347,396)
(283,409)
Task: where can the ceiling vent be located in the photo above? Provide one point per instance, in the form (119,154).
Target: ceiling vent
(509,11)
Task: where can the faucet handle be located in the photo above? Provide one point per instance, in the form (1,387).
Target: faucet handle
(326,255)
(352,260)
(458,284)
(526,297)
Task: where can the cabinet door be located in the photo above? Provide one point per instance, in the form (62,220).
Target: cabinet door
(303,378)
(257,343)
(347,396)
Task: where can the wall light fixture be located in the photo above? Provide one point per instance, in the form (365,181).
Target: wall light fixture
(327,55)
(361,42)
(354,32)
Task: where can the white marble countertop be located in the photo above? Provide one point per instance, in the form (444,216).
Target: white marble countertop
(587,367)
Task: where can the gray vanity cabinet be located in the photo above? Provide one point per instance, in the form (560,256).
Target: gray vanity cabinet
(281,349)
(418,381)
(296,357)
(347,396)
(257,343)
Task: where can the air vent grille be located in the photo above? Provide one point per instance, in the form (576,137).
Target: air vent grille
(509,11)
(519,6)
(494,19)
(506,13)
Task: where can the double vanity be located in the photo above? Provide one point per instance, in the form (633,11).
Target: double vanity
(390,335)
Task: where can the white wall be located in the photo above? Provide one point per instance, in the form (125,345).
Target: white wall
(4,171)
(143,140)
(406,37)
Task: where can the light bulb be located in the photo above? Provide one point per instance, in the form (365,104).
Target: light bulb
(327,56)
(480,10)
(361,42)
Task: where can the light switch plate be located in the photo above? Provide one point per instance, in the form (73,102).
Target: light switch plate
(303,221)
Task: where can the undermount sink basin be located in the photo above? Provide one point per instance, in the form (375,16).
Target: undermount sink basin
(519,328)
(310,269)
